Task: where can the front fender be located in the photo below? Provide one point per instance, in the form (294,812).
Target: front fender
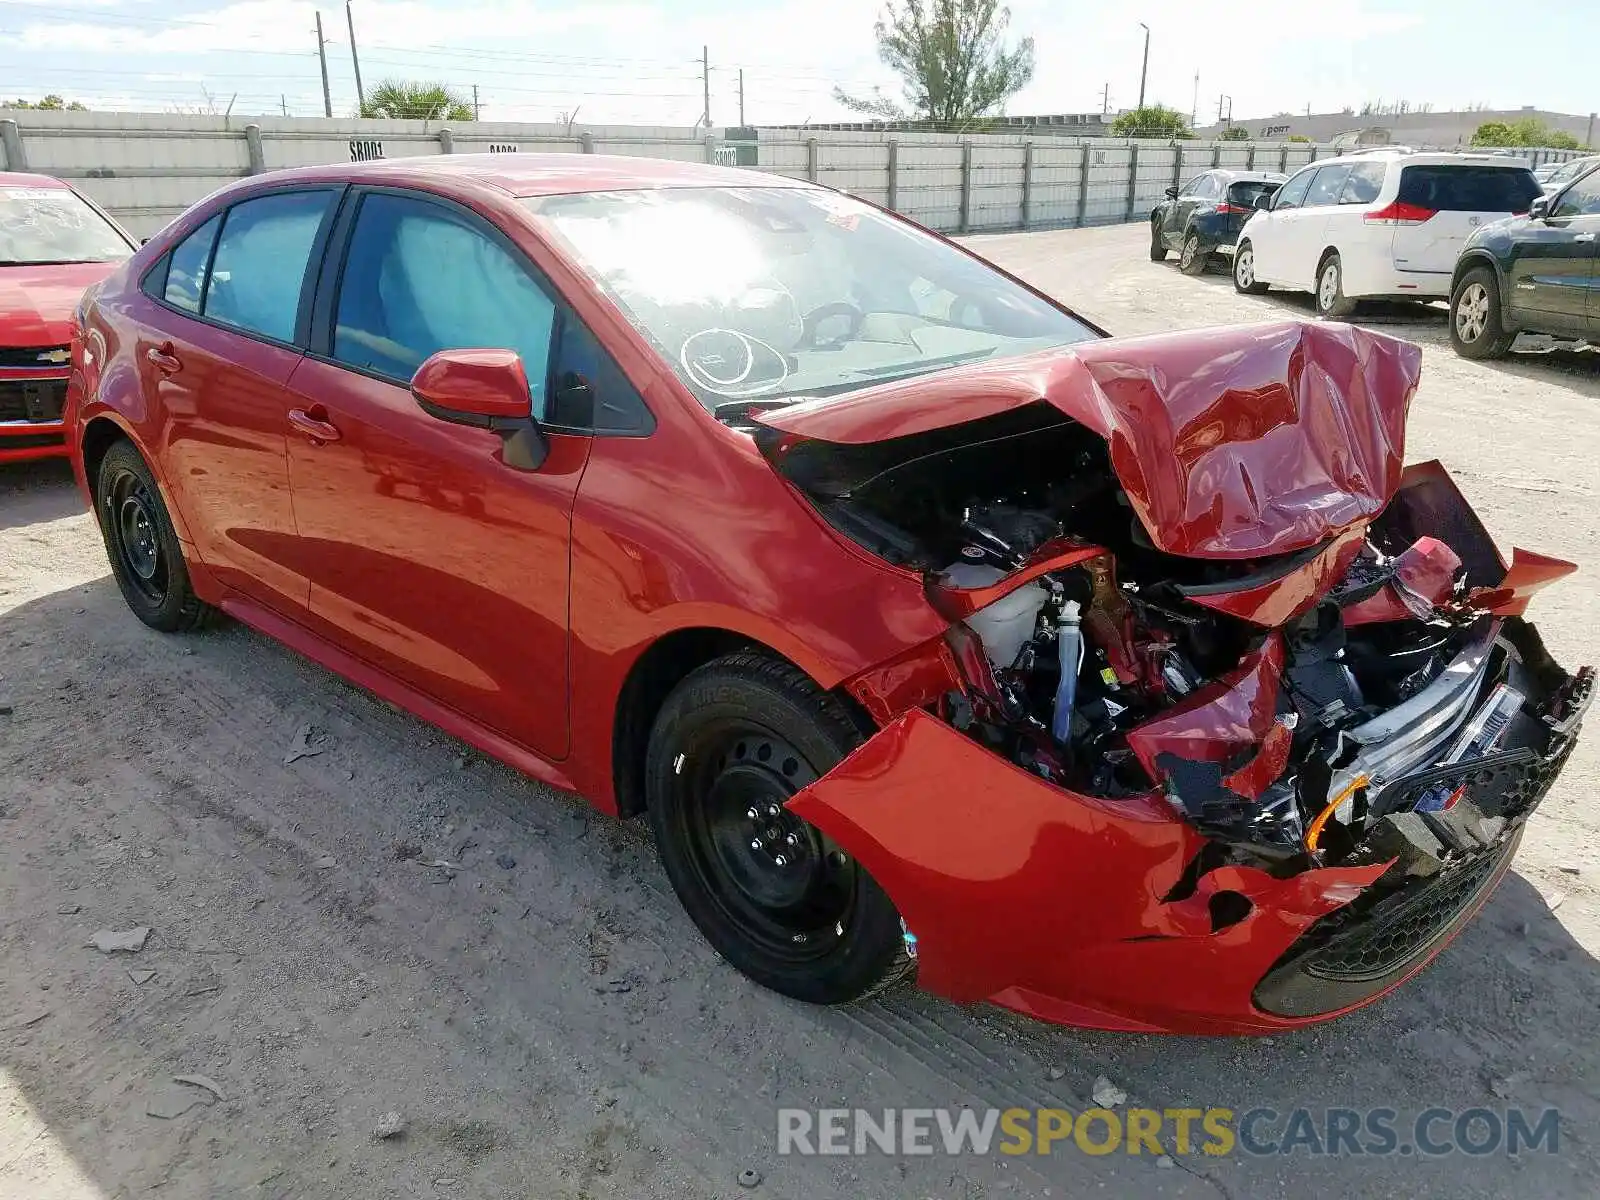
(1061,905)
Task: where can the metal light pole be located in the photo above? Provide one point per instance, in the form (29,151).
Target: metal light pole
(1144,71)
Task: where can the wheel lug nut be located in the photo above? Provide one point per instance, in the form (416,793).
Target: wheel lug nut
(781,861)
(772,810)
(756,845)
(753,814)
(793,839)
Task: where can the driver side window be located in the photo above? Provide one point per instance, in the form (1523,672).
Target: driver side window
(1582,199)
(1293,193)
(419,279)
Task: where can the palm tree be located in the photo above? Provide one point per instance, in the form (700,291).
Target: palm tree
(404,99)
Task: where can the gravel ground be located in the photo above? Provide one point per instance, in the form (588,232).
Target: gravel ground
(540,1014)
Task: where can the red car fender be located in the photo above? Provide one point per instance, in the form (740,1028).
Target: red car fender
(1049,901)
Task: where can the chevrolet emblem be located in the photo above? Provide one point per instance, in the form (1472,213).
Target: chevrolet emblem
(55,357)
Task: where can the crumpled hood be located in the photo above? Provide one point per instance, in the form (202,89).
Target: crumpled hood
(1231,443)
(36,303)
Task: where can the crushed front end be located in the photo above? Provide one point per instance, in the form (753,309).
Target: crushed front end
(1237,721)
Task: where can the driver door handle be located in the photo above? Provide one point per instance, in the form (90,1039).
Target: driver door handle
(314,424)
(163,359)
(1583,237)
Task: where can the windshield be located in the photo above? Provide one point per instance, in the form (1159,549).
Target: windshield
(41,225)
(1570,170)
(772,293)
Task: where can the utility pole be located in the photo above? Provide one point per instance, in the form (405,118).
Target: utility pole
(1194,115)
(283,103)
(741,97)
(705,80)
(1144,71)
(475,109)
(355,61)
(1220,99)
(1105,100)
(322,57)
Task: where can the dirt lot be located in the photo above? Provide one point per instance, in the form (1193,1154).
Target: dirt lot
(545,1019)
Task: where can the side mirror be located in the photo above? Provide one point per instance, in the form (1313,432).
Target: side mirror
(1263,202)
(1172,193)
(487,389)
(1539,209)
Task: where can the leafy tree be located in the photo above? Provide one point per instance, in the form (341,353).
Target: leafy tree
(1235,133)
(952,59)
(1530,131)
(51,103)
(403,99)
(1151,121)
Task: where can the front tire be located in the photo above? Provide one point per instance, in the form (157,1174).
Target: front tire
(1244,271)
(1191,259)
(771,893)
(1476,330)
(1331,300)
(146,556)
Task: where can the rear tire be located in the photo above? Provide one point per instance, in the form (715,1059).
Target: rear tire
(1244,271)
(1475,327)
(1192,260)
(774,896)
(1331,300)
(146,556)
(1158,247)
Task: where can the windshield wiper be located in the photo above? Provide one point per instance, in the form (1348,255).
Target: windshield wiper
(885,374)
(735,408)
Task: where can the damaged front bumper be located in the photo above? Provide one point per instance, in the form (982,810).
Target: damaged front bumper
(1122,914)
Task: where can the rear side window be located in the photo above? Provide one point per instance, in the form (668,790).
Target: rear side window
(1325,188)
(419,279)
(186,268)
(259,269)
(1450,188)
(1582,199)
(1364,183)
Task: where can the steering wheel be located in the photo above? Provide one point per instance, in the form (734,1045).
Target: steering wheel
(814,318)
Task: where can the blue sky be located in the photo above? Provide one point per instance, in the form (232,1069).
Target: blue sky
(637,61)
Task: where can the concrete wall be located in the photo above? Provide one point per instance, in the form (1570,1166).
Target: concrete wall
(147,168)
(1437,130)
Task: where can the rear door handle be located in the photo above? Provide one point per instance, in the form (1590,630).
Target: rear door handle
(163,359)
(1583,237)
(317,428)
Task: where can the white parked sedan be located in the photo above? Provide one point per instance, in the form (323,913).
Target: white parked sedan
(1373,225)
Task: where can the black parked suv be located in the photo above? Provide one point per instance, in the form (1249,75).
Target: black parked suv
(1534,274)
(1206,215)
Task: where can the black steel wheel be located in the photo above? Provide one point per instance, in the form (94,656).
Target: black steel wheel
(775,896)
(145,555)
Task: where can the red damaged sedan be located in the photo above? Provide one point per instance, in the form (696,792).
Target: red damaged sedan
(53,244)
(934,630)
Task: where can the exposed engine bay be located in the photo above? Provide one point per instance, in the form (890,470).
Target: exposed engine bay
(1282,702)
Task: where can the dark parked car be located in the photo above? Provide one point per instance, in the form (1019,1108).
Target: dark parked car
(1532,274)
(1207,215)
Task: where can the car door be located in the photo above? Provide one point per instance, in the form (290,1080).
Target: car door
(1269,229)
(1552,263)
(215,350)
(1308,232)
(1190,195)
(428,555)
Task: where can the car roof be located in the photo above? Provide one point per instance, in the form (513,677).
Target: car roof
(20,179)
(1426,158)
(1249,176)
(540,174)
